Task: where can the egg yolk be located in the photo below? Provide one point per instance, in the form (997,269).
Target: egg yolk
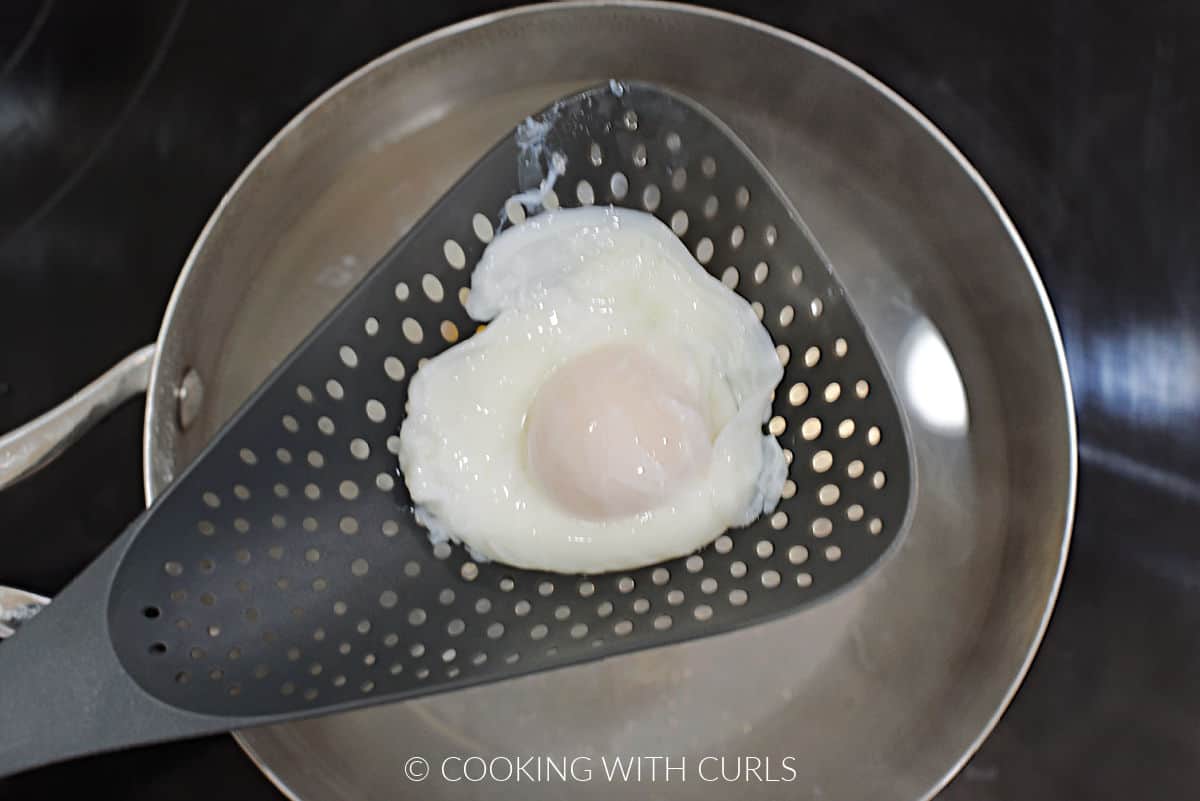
(615,432)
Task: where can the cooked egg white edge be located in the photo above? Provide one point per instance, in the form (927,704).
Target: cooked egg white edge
(461,446)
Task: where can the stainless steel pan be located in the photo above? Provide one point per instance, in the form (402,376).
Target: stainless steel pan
(914,665)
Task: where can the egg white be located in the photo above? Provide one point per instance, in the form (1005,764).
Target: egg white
(561,285)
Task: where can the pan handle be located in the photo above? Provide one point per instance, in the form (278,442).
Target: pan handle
(17,607)
(37,443)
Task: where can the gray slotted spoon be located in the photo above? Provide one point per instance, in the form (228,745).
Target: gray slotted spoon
(283,576)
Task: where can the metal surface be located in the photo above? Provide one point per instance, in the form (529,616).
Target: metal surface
(917,239)
(914,233)
(34,445)
(190,398)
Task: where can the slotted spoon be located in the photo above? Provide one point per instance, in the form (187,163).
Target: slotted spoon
(282,575)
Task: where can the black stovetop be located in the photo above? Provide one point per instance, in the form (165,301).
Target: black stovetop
(122,123)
